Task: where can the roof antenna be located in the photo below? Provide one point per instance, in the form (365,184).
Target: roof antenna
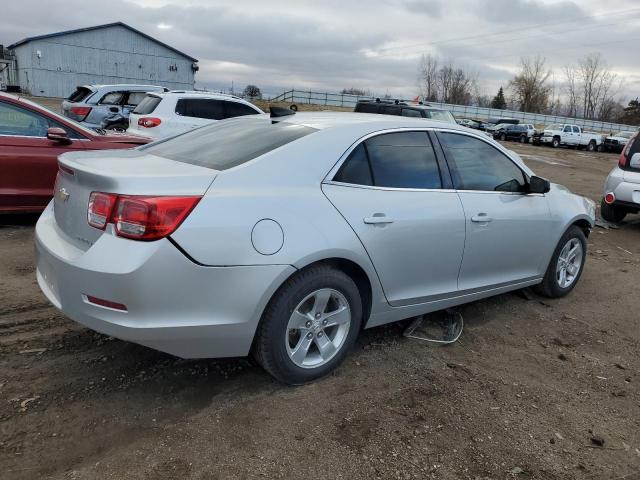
(278,112)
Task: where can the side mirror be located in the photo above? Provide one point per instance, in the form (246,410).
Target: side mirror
(635,160)
(58,135)
(539,185)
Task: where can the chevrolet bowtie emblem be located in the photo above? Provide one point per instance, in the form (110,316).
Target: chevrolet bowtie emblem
(63,195)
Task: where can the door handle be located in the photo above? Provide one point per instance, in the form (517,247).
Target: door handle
(481,218)
(377,219)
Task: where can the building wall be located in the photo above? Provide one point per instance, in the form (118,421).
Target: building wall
(53,67)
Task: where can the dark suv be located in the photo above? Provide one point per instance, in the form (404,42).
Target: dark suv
(403,109)
(512,132)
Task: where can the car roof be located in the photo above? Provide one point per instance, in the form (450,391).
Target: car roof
(374,121)
(196,94)
(416,106)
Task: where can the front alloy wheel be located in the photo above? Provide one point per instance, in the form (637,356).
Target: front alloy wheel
(569,263)
(566,264)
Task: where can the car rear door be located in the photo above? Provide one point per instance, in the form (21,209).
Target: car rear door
(507,230)
(396,194)
(28,159)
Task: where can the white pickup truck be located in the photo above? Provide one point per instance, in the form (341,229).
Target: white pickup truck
(572,135)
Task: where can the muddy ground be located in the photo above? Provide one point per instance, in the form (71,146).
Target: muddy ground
(521,395)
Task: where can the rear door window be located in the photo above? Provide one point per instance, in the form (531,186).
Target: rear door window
(576,130)
(367,108)
(113,98)
(393,160)
(227,144)
(237,109)
(147,105)
(391,110)
(410,112)
(201,108)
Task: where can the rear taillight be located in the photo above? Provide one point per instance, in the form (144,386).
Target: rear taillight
(66,170)
(106,303)
(141,217)
(100,208)
(622,161)
(609,198)
(80,112)
(149,122)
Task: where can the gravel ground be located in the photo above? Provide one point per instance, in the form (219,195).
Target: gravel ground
(529,390)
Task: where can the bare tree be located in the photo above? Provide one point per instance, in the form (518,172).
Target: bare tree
(591,88)
(530,87)
(447,83)
(572,91)
(429,77)
(252,91)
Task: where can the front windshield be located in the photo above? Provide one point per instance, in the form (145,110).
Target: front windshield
(62,119)
(442,115)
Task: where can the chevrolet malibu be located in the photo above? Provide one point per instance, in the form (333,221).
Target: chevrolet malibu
(284,239)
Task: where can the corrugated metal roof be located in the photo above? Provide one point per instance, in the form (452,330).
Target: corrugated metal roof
(97,27)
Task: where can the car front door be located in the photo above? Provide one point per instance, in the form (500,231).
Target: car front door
(507,230)
(567,135)
(396,194)
(28,159)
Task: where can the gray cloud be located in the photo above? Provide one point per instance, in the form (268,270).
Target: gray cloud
(373,44)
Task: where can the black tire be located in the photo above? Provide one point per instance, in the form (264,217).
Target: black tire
(612,213)
(269,347)
(523,139)
(503,137)
(555,143)
(117,127)
(591,146)
(550,286)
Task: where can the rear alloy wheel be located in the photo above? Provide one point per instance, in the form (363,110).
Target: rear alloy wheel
(592,146)
(556,142)
(309,325)
(523,139)
(612,213)
(566,264)
(503,137)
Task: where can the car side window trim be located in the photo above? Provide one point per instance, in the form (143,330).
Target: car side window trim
(525,174)
(446,186)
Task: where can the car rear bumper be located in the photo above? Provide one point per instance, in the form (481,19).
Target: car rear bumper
(627,193)
(173,305)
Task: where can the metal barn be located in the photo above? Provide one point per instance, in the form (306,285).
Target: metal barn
(54,65)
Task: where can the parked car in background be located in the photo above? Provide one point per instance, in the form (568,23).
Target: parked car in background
(403,109)
(571,136)
(92,104)
(31,138)
(491,128)
(288,237)
(621,194)
(162,115)
(616,143)
(512,132)
(467,122)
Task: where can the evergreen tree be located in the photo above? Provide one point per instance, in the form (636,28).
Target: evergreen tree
(499,101)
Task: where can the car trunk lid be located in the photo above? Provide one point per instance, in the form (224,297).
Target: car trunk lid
(126,172)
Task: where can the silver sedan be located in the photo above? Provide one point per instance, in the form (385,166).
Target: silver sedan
(285,238)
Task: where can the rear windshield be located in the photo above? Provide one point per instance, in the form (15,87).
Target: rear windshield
(228,143)
(79,94)
(147,105)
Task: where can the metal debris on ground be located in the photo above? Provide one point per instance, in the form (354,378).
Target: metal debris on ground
(443,328)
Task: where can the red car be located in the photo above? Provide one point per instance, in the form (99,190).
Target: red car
(31,138)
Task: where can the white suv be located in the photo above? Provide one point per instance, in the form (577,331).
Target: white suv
(161,115)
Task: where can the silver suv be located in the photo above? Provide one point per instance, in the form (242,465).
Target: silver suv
(91,104)
(622,188)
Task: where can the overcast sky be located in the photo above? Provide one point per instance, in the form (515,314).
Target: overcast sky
(369,44)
